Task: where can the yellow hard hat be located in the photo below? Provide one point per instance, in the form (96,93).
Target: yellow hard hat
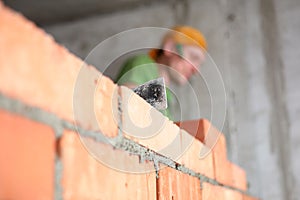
(184,35)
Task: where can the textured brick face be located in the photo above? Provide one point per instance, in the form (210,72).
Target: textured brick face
(86,178)
(221,164)
(26,157)
(95,102)
(213,192)
(199,156)
(173,184)
(39,72)
(32,58)
(191,157)
(224,171)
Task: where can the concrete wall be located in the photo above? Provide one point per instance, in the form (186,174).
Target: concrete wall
(254,44)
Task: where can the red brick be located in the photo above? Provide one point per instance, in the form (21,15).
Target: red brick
(191,157)
(147,126)
(202,130)
(85,177)
(197,128)
(239,177)
(39,72)
(173,184)
(194,188)
(223,171)
(210,132)
(213,192)
(232,194)
(27,158)
(35,63)
(96,102)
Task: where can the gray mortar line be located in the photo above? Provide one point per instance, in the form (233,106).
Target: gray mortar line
(120,111)
(50,119)
(36,114)
(147,154)
(118,142)
(58,190)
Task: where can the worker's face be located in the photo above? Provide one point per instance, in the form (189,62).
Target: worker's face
(182,68)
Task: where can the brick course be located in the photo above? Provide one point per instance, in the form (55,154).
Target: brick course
(84,177)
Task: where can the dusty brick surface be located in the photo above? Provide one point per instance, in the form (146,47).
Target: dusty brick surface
(173,184)
(41,73)
(27,158)
(84,177)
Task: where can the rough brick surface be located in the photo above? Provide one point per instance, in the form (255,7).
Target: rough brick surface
(95,102)
(147,126)
(225,172)
(222,166)
(204,132)
(213,192)
(191,156)
(37,71)
(173,184)
(37,63)
(232,194)
(26,157)
(86,178)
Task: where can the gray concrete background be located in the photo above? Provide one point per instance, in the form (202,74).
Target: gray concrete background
(255,46)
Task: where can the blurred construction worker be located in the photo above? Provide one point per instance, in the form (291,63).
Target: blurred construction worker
(182,51)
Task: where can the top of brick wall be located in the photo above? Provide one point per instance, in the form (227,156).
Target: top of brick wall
(43,74)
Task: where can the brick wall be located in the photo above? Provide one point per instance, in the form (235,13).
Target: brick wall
(67,132)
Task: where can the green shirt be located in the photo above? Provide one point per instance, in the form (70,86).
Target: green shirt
(138,70)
